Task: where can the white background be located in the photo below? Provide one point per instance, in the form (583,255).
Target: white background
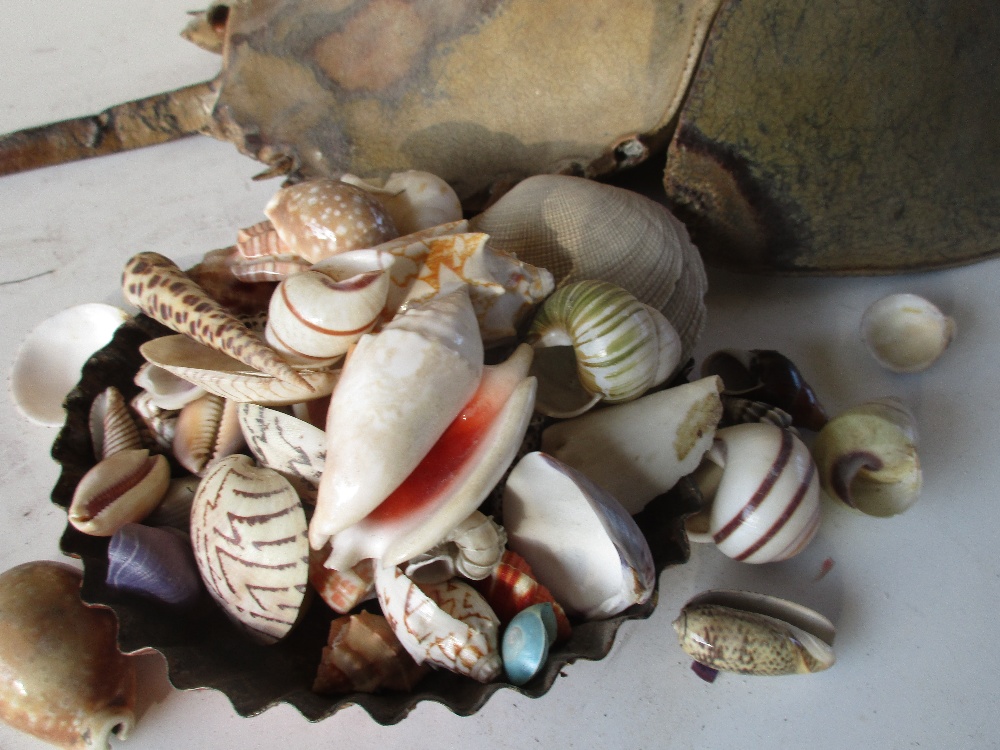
(914,598)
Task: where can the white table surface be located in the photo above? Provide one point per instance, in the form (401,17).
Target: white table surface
(914,598)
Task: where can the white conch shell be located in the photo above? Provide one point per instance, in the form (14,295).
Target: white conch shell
(279,441)
(867,458)
(473,549)
(248,530)
(414,199)
(617,346)
(503,289)
(580,542)
(319,218)
(122,488)
(453,478)
(224,376)
(314,317)
(398,392)
(738,631)
(447,624)
(581,229)
(905,332)
(156,285)
(766,507)
(641,449)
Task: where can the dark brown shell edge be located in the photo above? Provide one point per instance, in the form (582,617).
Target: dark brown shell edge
(203,650)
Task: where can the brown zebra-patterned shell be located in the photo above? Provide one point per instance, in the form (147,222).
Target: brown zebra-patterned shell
(158,287)
(248,530)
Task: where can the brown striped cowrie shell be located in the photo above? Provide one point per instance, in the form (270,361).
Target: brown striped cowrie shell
(112,426)
(158,287)
(123,488)
(766,507)
(248,530)
(208,429)
(754,634)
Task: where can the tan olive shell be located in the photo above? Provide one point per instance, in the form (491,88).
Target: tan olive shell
(62,678)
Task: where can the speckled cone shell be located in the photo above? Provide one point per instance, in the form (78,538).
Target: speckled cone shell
(248,530)
(62,678)
(163,291)
(754,634)
(579,229)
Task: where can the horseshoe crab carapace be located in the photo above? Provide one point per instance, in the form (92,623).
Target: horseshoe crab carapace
(804,137)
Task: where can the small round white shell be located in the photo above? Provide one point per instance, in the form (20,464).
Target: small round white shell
(905,332)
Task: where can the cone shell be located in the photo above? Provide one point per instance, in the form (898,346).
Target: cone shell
(248,530)
(62,678)
(754,634)
(580,229)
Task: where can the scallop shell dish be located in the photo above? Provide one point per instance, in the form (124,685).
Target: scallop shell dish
(321,458)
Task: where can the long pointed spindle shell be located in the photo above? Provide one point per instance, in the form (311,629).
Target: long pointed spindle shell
(158,287)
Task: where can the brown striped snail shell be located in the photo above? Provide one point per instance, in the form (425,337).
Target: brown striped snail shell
(764,506)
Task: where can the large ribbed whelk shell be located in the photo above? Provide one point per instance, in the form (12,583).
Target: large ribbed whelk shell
(580,229)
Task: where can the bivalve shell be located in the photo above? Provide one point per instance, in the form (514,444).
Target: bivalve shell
(248,530)
(739,631)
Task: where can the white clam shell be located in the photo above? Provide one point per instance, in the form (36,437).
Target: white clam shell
(618,347)
(748,633)
(122,488)
(452,479)
(47,364)
(166,390)
(314,317)
(580,542)
(248,530)
(766,507)
(905,332)
(641,449)
(867,458)
(224,376)
(414,199)
(580,229)
(449,624)
(399,391)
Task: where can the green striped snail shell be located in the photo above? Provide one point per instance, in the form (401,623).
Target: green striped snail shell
(618,347)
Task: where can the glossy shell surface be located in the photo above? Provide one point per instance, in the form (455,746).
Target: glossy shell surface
(255,677)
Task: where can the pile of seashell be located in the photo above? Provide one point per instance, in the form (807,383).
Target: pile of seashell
(352,382)
(363,374)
